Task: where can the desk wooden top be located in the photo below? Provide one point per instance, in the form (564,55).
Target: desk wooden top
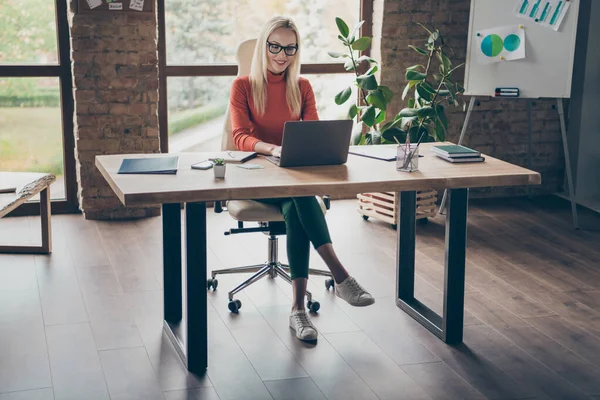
(358,175)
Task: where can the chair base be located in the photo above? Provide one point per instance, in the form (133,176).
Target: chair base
(273,270)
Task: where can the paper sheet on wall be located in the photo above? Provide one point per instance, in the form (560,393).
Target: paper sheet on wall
(505,43)
(137,5)
(547,13)
(94,3)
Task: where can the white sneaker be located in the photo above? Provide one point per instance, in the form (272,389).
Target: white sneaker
(300,322)
(353,293)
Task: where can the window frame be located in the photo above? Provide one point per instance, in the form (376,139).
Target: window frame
(62,71)
(166,71)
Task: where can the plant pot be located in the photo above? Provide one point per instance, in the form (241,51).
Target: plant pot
(219,171)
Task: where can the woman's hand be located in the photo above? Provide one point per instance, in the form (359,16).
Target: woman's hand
(268,149)
(276,151)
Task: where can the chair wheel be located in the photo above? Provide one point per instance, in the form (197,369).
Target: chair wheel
(423,221)
(234,306)
(313,306)
(365,217)
(329,283)
(212,282)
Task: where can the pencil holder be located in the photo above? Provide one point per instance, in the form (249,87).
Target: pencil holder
(407,159)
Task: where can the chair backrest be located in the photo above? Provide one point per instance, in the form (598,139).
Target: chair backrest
(243,56)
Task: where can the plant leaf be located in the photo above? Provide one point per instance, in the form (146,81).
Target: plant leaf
(343,39)
(423,93)
(394,135)
(343,96)
(367,82)
(355,31)
(419,50)
(380,117)
(387,93)
(415,67)
(425,112)
(367,58)
(372,70)
(368,117)
(415,76)
(409,85)
(440,132)
(427,86)
(342,27)
(336,54)
(362,44)
(408,112)
(349,65)
(411,103)
(441,116)
(352,111)
(377,99)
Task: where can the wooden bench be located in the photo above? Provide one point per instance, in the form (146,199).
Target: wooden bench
(27,185)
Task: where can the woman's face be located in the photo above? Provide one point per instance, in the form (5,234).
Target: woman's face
(283,42)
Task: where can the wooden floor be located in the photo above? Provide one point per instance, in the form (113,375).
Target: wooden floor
(85,323)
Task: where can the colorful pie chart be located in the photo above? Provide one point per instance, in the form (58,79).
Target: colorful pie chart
(512,42)
(492,45)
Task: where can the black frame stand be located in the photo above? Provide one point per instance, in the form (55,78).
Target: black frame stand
(189,335)
(449,326)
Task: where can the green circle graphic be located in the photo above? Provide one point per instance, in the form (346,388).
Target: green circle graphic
(512,42)
(492,45)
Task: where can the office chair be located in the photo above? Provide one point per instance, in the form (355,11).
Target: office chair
(269,218)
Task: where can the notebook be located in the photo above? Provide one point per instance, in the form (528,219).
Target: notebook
(461,159)
(454,150)
(149,165)
(236,157)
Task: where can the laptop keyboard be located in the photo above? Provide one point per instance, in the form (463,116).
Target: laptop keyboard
(274,160)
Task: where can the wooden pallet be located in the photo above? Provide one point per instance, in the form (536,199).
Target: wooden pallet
(383,206)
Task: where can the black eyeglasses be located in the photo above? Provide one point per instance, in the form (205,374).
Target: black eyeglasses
(276,49)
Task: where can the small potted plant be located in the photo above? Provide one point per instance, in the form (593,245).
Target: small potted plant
(219,168)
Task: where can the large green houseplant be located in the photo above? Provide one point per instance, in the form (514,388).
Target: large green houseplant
(431,86)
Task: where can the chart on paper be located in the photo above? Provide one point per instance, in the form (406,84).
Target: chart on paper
(548,13)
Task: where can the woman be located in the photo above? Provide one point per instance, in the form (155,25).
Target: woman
(260,104)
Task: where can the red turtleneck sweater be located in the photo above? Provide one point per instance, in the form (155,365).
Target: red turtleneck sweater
(250,128)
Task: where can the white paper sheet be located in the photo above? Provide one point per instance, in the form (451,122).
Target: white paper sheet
(94,3)
(547,13)
(115,6)
(504,43)
(137,5)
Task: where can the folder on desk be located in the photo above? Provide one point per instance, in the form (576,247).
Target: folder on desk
(149,165)
(384,153)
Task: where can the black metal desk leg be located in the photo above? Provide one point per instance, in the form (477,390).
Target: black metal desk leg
(195,243)
(405,274)
(171,223)
(454,280)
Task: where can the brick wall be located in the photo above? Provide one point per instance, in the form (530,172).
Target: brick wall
(498,128)
(115,83)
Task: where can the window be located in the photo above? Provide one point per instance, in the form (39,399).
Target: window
(36,123)
(198,41)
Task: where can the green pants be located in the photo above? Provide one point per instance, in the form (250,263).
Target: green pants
(304,224)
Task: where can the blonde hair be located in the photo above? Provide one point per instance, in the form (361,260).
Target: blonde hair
(258,70)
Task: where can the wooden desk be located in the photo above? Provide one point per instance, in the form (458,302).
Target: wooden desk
(28,184)
(359,174)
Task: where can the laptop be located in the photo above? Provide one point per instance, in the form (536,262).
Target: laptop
(312,143)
